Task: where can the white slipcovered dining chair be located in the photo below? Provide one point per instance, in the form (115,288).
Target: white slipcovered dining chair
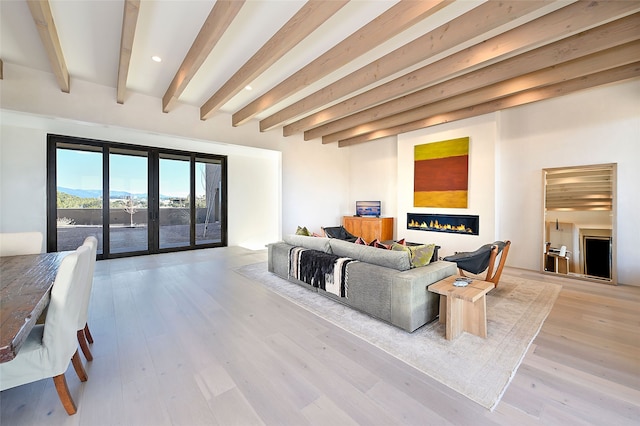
(48,348)
(83,332)
(17,243)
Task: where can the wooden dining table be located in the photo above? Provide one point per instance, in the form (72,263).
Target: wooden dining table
(25,291)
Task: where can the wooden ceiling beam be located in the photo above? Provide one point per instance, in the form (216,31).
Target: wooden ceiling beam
(546,29)
(129,23)
(574,175)
(313,14)
(221,16)
(590,64)
(529,96)
(592,41)
(478,21)
(41,13)
(583,194)
(581,186)
(395,20)
(580,194)
(579,171)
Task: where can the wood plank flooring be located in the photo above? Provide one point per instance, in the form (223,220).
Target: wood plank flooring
(182,339)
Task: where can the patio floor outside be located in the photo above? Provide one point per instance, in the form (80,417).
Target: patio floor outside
(132,239)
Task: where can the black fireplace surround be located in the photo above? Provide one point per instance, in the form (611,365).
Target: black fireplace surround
(450,223)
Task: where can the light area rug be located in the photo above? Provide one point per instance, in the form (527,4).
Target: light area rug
(478,368)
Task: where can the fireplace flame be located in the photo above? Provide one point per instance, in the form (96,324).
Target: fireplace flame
(435,225)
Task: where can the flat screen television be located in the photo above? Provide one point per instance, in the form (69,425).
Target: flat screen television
(368,208)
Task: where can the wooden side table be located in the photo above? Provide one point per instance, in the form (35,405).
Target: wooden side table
(463,308)
(556,263)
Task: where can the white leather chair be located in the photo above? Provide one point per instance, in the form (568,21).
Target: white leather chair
(49,347)
(17,243)
(83,333)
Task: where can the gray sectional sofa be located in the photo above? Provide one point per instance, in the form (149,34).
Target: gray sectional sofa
(382,283)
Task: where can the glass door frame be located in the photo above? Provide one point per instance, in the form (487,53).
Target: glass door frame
(108,153)
(153,193)
(172,156)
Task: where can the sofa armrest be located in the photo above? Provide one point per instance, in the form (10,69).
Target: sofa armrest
(313,243)
(412,305)
(278,259)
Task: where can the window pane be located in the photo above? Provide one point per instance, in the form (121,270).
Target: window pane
(128,218)
(79,197)
(158,200)
(208,201)
(175,217)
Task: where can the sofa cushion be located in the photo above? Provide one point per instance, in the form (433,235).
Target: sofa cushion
(390,259)
(419,255)
(313,243)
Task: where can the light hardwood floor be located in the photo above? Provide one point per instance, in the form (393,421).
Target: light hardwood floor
(183,339)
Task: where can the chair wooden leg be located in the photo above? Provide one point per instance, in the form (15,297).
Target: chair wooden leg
(77,365)
(63,393)
(87,333)
(84,346)
(492,261)
(505,251)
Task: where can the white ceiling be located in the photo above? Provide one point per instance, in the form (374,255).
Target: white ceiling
(90,32)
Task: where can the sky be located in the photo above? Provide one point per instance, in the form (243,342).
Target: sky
(83,170)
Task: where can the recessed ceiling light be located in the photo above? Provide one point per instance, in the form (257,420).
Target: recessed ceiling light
(247,87)
(157,58)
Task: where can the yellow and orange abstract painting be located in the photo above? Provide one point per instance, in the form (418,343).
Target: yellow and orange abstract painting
(441,174)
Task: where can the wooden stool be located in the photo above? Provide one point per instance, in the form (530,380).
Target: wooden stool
(463,308)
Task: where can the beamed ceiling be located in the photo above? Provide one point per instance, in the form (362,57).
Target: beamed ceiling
(336,71)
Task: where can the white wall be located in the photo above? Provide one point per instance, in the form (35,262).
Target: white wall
(373,175)
(298,182)
(481,195)
(314,185)
(23,168)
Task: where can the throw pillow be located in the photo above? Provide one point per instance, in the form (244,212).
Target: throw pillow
(402,242)
(303,231)
(418,255)
(374,242)
(400,247)
(360,241)
(378,244)
(421,255)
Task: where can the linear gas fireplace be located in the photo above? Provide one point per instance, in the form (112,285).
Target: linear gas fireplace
(451,223)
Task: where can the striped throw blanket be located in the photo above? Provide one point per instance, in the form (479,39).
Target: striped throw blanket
(321,270)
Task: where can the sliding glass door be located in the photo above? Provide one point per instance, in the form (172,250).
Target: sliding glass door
(175,201)
(208,200)
(77,196)
(158,200)
(128,207)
